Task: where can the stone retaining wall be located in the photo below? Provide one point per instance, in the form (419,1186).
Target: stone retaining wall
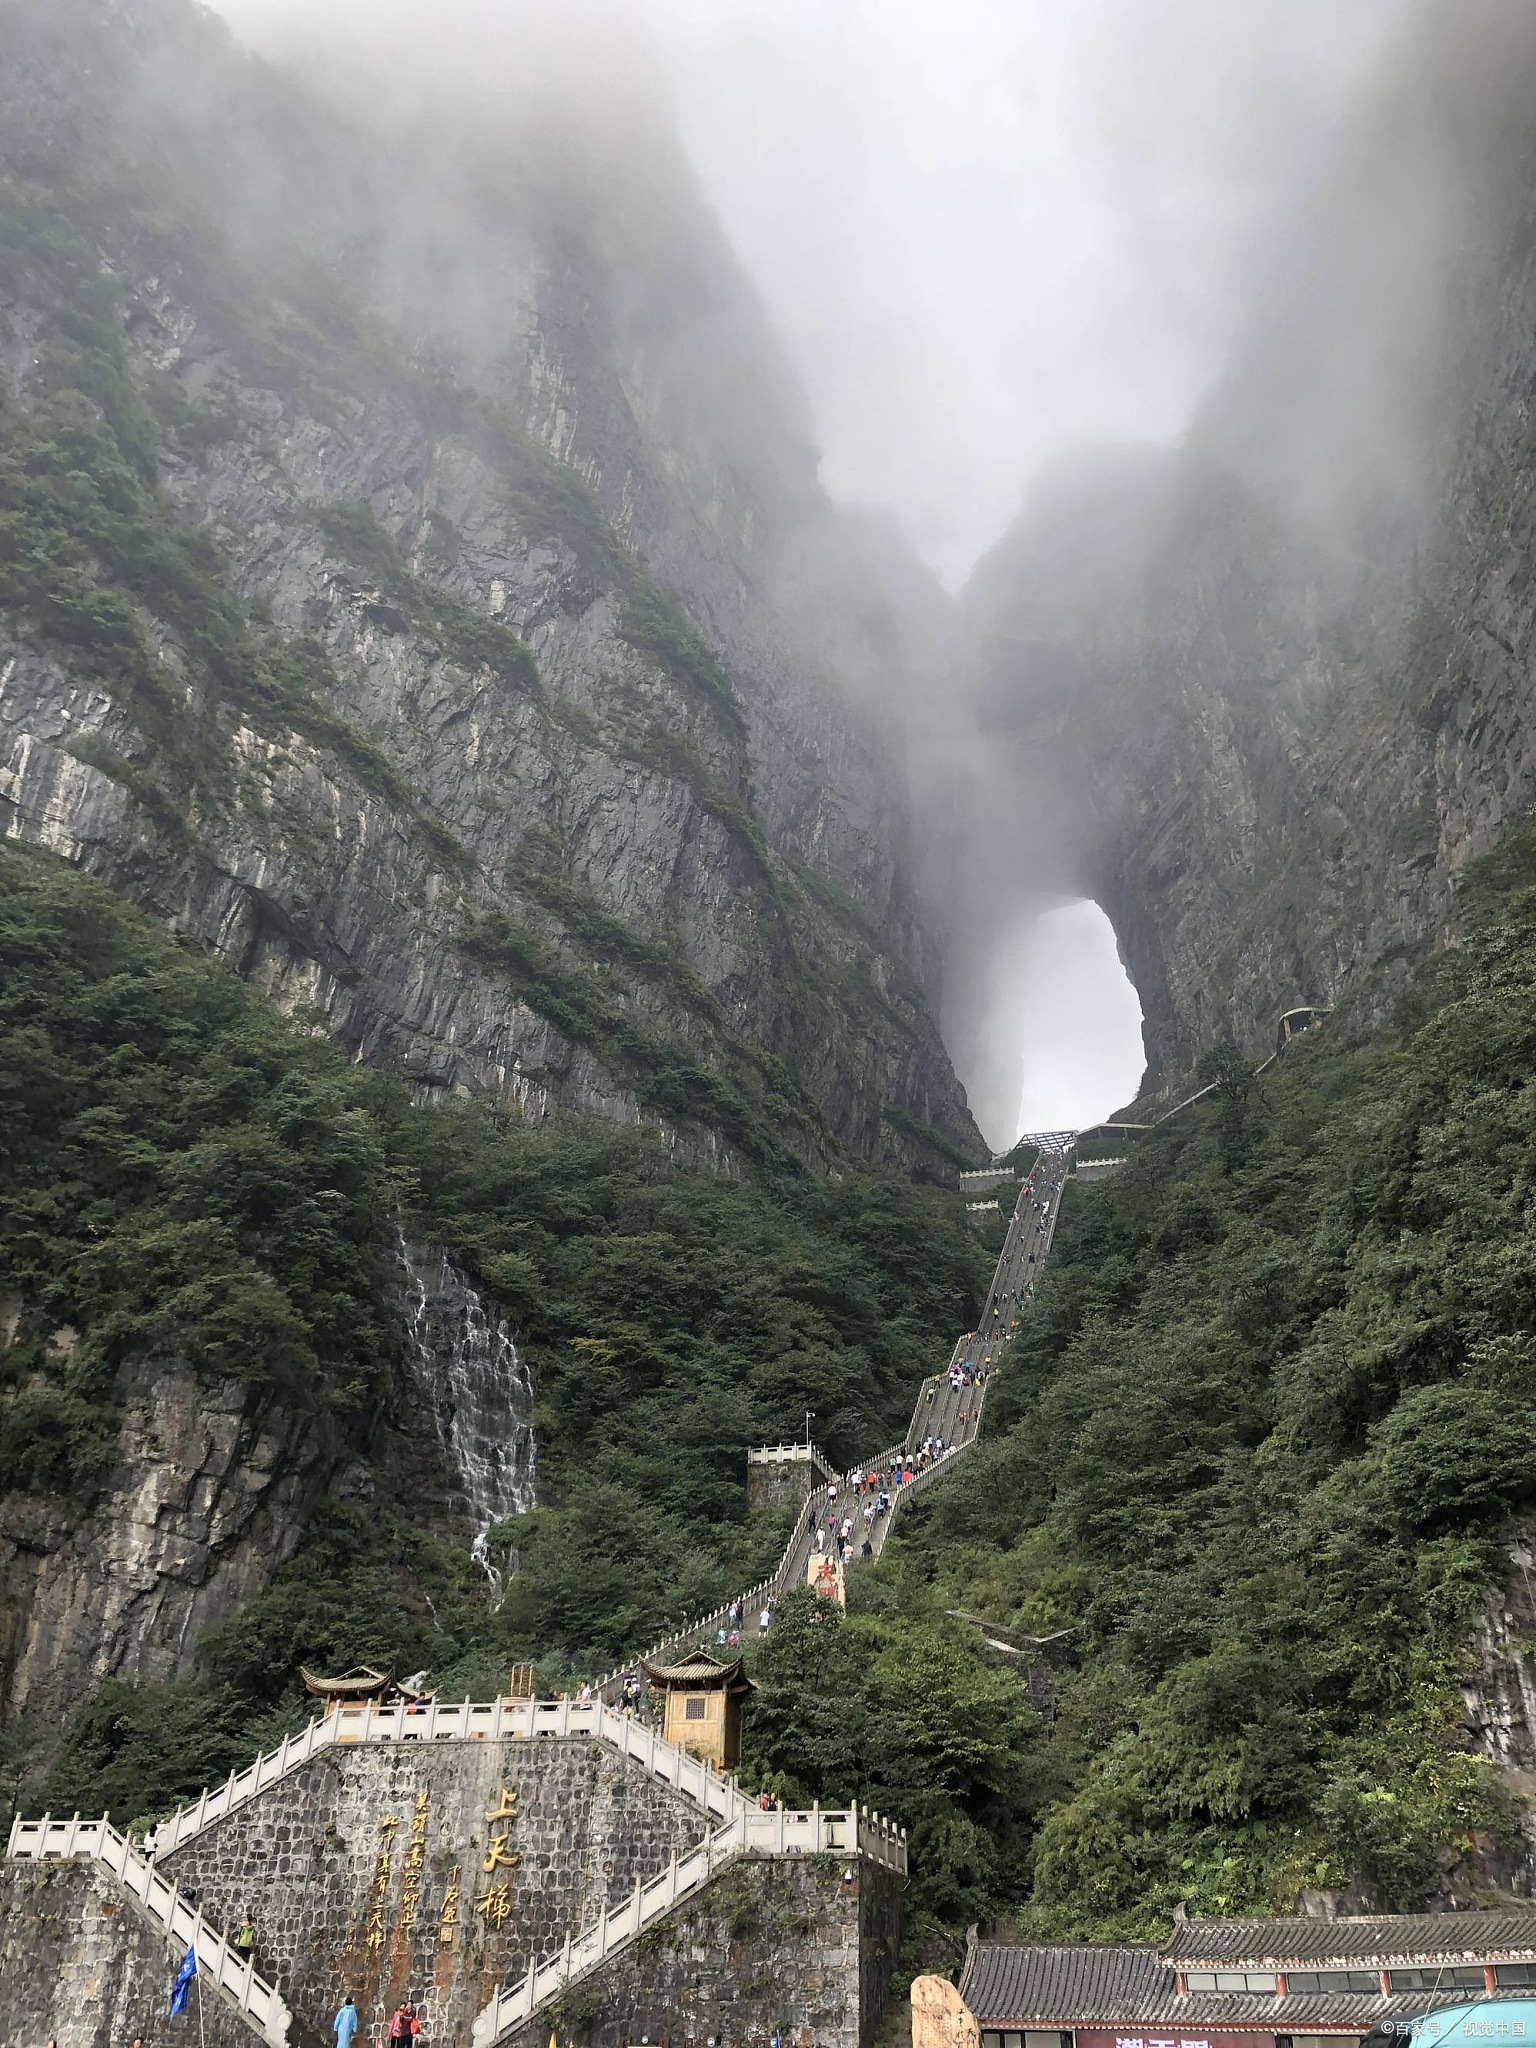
(786,1483)
(343,1900)
(793,1947)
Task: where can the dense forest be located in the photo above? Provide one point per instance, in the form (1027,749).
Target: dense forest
(1250,1470)
(187,1177)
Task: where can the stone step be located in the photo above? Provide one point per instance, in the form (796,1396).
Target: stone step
(790,1571)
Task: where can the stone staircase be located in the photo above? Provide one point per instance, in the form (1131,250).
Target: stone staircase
(462,1721)
(736,1828)
(1055,1148)
(218,1966)
(753,1833)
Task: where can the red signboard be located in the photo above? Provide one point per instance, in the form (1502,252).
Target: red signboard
(1168,2037)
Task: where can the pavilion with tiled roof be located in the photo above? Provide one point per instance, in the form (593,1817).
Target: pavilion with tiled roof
(703,1697)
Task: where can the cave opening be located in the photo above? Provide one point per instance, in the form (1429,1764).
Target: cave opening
(1042,1020)
(1079,1028)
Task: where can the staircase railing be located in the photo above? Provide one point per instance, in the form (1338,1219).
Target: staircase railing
(785,1574)
(791,1454)
(752,1833)
(232,1976)
(463,1721)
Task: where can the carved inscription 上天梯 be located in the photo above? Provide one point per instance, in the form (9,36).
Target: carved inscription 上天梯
(495,1903)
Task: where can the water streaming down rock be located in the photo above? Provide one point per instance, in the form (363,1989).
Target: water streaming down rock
(479,1392)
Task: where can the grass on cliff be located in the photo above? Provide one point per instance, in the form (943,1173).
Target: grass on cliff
(187,1182)
(1252,1472)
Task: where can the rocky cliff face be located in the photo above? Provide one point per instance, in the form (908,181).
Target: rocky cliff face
(1272,690)
(213,1486)
(209,1494)
(430,624)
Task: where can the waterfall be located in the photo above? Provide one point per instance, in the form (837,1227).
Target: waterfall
(479,1391)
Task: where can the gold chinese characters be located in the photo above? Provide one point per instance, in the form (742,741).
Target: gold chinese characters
(380,1890)
(495,1904)
(410,1896)
(448,1918)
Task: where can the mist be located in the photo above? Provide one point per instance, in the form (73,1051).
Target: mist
(986,234)
(984,230)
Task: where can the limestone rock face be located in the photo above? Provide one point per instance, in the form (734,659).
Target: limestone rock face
(502,696)
(209,1495)
(1270,691)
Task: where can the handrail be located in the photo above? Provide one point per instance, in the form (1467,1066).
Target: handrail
(789,1454)
(231,1975)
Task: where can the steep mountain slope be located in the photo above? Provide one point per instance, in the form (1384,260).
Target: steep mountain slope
(244,1420)
(1273,688)
(406,594)
(1249,1528)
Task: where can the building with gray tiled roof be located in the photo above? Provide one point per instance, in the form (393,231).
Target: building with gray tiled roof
(1293,1983)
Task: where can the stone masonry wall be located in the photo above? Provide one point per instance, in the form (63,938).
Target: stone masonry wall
(83,1965)
(790,1947)
(783,1485)
(365,1870)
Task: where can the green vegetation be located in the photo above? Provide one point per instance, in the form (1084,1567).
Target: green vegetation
(181,1178)
(468,636)
(1249,1470)
(654,624)
(88,545)
(187,1181)
(905,1711)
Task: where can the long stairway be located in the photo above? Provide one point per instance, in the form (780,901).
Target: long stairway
(946,1408)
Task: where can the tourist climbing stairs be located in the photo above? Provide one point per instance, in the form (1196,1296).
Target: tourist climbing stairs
(948,1407)
(219,1966)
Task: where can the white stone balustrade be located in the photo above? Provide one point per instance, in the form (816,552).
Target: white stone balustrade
(218,1965)
(850,1832)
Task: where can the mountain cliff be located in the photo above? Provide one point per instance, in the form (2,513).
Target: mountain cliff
(413,576)
(1272,688)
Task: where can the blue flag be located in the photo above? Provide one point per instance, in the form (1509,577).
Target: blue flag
(181,1989)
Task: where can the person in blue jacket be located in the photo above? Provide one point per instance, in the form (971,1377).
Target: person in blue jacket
(344,2026)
